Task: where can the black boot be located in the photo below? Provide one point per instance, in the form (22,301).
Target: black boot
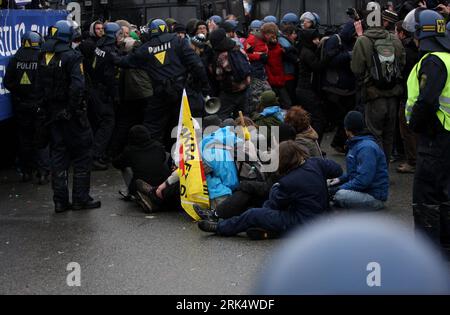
(89,205)
(81,187)
(208,226)
(62,207)
(205,214)
(60,191)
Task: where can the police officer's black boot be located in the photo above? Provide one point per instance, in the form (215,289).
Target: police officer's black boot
(81,186)
(427,219)
(60,192)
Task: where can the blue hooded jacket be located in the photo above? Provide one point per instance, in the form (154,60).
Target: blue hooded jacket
(367,169)
(223,179)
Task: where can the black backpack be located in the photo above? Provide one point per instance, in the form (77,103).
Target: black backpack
(239,64)
(385,70)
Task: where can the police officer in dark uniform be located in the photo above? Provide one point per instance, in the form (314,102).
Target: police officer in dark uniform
(62,86)
(167,58)
(20,80)
(103,92)
(428,114)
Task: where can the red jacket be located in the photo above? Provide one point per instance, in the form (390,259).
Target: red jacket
(259,46)
(275,66)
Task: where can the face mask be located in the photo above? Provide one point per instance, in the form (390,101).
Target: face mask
(75,45)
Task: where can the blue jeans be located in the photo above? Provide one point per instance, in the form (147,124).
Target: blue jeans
(354,199)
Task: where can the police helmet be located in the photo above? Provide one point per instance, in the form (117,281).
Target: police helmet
(431,25)
(270,19)
(157,27)
(32,40)
(255,25)
(216,19)
(63,31)
(290,18)
(111,29)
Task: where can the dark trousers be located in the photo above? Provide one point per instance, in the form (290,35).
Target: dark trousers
(432,177)
(232,103)
(308,99)
(267,219)
(381,116)
(30,157)
(337,108)
(161,116)
(71,144)
(129,114)
(408,136)
(291,87)
(283,97)
(101,115)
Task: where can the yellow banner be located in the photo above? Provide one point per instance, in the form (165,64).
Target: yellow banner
(193,186)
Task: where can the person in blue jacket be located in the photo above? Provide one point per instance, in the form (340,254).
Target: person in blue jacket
(300,196)
(366,183)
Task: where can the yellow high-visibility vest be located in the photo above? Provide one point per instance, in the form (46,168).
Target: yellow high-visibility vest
(443,112)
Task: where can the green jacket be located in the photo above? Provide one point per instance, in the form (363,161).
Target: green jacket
(362,63)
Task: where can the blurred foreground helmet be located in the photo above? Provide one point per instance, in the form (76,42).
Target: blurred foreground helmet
(112,29)
(359,254)
(157,27)
(32,40)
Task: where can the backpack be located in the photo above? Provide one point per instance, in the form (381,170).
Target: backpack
(240,65)
(385,70)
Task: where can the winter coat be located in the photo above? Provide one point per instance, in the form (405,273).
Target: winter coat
(275,66)
(308,139)
(367,169)
(309,62)
(336,53)
(255,46)
(222,175)
(362,61)
(303,192)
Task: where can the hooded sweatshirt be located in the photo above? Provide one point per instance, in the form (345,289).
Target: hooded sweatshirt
(308,139)
(362,62)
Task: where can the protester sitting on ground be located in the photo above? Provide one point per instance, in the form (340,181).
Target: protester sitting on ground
(269,113)
(301,195)
(253,190)
(144,159)
(366,183)
(306,136)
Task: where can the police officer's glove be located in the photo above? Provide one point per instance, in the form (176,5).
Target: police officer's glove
(264,58)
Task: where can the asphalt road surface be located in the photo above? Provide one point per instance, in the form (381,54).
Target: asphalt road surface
(122,251)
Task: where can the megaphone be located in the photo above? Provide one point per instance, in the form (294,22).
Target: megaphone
(212,105)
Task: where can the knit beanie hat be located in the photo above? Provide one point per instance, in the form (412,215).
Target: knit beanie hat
(354,121)
(268,98)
